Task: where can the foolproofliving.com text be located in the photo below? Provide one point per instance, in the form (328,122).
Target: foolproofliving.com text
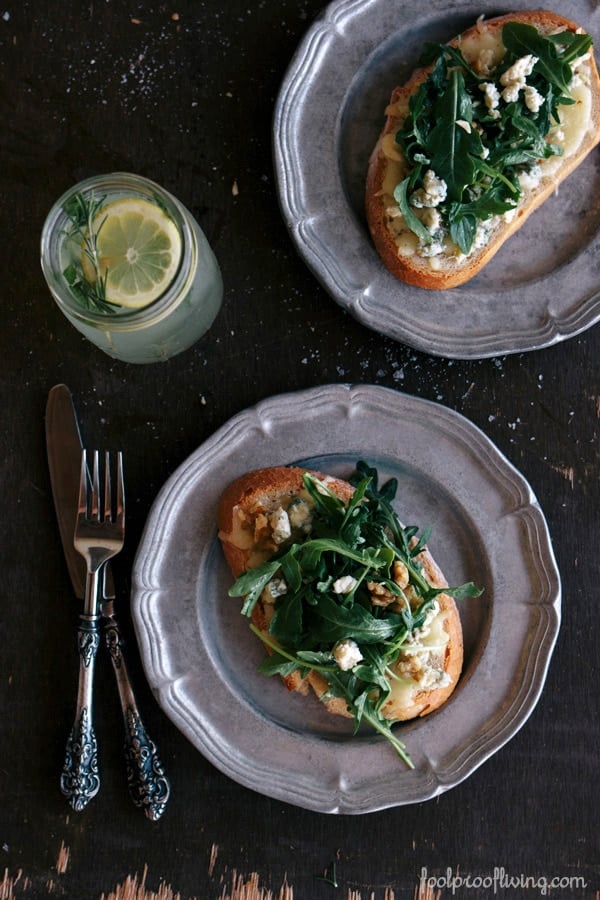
(499,880)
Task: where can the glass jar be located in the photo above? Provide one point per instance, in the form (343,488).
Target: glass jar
(172,322)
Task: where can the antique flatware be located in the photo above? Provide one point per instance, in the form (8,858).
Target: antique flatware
(147,782)
(99,535)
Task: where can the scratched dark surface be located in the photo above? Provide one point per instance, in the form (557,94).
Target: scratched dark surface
(183,93)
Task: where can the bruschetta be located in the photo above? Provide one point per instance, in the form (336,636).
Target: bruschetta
(483,132)
(347,600)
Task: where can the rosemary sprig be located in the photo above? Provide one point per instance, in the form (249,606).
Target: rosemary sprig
(90,294)
(329,876)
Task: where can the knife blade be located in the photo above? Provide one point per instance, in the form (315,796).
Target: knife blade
(148,785)
(64,446)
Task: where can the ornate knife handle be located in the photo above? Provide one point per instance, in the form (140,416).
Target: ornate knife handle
(148,784)
(80,779)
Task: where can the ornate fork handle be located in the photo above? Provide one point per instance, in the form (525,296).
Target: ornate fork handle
(80,779)
(148,784)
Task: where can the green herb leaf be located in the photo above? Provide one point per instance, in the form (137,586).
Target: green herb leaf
(454,148)
(252,583)
(412,221)
(573,46)
(521,40)
(335,623)
(276,664)
(82,213)
(463,591)
(464,217)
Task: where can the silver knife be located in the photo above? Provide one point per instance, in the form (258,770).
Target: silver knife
(148,784)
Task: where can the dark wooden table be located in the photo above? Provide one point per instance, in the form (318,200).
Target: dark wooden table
(183,93)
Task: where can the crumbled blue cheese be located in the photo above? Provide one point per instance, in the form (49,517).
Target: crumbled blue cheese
(277,587)
(483,232)
(533,99)
(300,515)
(513,80)
(491,97)
(413,640)
(279,523)
(581,71)
(421,158)
(530,179)
(344,585)
(431,219)
(347,654)
(432,193)
(431,248)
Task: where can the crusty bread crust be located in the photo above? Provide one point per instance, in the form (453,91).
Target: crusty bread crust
(265,489)
(416,270)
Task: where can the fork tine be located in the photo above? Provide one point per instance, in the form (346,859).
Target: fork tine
(83,486)
(95,498)
(107,489)
(120,510)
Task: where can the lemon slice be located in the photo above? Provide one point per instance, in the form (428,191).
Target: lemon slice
(139,251)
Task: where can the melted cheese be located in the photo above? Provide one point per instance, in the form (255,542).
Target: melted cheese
(575,121)
(476,47)
(434,643)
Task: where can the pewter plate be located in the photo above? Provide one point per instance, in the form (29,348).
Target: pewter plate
(201,659)
(543,285)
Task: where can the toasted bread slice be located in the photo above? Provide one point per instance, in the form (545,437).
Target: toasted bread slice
(440,264)
(249,520)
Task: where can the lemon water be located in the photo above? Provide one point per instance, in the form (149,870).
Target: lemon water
(130,268)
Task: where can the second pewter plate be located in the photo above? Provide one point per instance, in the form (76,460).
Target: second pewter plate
(542,287)
(201,658)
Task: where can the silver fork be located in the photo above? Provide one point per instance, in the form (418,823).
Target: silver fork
(99,535)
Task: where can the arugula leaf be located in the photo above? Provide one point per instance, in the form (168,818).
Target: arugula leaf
(325,501)
(252,583)
(287,622)
(282,662)
(278,664)
(413,221)
(521,40)
(463,230)
(453,148)
(291,570)
(335,623)
(432,53)
(419,123)
(463,218)
(369,476)
(312,550)
(575,45)
(464,591)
